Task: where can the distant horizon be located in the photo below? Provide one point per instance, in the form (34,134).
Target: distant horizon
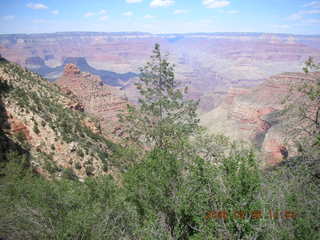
(151,33)
(299,17)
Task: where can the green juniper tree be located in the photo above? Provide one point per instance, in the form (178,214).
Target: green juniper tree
(304,112)
(312,92)
(164,118)
(309,118)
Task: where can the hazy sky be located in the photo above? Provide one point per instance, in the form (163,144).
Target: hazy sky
(160,16)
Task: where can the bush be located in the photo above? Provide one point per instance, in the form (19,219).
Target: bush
(78,166)
(51,167)
(80,153)
(90,170)
(68,173)
(21,136)
(36,129)
(34,208)
(43,123)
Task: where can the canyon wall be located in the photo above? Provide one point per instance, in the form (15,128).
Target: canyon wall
(256,115)
(209,63)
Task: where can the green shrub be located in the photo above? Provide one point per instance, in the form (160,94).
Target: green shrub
(36,129)
(105,166)
(51,167)
(80,153)
(89,170)
(78,165)
(43,123)
(68,173)
(52,147)
(21,136)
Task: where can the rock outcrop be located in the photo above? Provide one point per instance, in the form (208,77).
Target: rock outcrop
(71,70)
(102,101)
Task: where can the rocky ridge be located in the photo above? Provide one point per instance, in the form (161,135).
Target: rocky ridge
(100,100)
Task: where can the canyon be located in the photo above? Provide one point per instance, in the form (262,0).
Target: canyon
(259,115)
(209,63)
(241,79)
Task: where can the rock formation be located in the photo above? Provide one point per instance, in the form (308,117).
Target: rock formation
(102,101)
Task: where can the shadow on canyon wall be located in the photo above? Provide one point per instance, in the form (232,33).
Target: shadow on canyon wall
(108,77)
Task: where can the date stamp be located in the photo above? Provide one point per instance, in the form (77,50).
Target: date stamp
(255,214)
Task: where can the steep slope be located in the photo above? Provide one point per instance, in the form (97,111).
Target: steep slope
(255,115)
(51,127)
(102,101)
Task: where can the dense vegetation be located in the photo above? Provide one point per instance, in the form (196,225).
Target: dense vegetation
(176,183)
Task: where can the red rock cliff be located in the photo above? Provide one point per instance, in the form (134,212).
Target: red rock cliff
(103,101)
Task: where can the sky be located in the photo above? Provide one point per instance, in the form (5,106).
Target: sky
(160,16)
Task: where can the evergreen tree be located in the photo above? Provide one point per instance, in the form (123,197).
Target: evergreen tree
(164,118)
(304,108)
